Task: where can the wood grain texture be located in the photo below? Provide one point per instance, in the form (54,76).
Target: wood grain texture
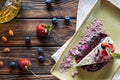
(42,69)
(32,13)
(37,9)
(26,27)
(27,77)
(30,53)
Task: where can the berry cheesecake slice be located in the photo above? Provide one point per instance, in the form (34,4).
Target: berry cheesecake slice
(93,51)
(100,54)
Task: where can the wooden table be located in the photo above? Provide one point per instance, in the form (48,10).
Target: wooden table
(32,13)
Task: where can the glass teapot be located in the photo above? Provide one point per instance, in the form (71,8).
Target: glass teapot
(9,9)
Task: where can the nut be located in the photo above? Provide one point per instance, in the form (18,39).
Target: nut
(4,39)
(6,50)
(11,33)
(1,64)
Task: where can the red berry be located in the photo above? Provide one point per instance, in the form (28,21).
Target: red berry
(40,30)
(112,48)
(104,53)
(104,44)
(24,63)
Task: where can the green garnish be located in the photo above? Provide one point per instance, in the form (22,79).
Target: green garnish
(48,28)
(116,55)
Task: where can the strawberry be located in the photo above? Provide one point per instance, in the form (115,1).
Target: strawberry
(43,30)
(24,64)
(107,45)
(104,53)
(104,44)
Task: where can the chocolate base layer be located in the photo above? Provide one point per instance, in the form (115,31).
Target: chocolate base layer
(94,67)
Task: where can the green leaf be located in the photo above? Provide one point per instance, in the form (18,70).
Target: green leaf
(116,55)
(49,28)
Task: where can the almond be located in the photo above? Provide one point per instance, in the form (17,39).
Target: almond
(11,33)
(4,39)
(6,50)
(1,64)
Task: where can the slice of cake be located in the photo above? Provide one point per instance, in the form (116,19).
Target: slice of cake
(101,53)
(93,50)
(90,53)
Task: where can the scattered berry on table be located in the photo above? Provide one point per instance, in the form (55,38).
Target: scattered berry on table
(67,19)
(12,64)
(48,3)
(25,64)
(40,50)
(42,30)
(54,20)
(27,39)
(1,64)
(40,58)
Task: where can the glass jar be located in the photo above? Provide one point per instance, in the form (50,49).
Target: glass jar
(9,9)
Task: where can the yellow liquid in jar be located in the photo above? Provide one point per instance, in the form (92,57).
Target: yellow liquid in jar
(10,11)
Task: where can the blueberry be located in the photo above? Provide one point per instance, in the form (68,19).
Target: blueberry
(103,47)
(48,3)
(54,20)
(27,39)
(12,64)
(40,58)
(40,50)
(67,19)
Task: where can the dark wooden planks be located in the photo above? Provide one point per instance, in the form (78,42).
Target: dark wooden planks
(26,27)
(27,77)
(30,53)
(33,12)
(37,9)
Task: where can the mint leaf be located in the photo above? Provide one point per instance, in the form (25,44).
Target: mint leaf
(116,55)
